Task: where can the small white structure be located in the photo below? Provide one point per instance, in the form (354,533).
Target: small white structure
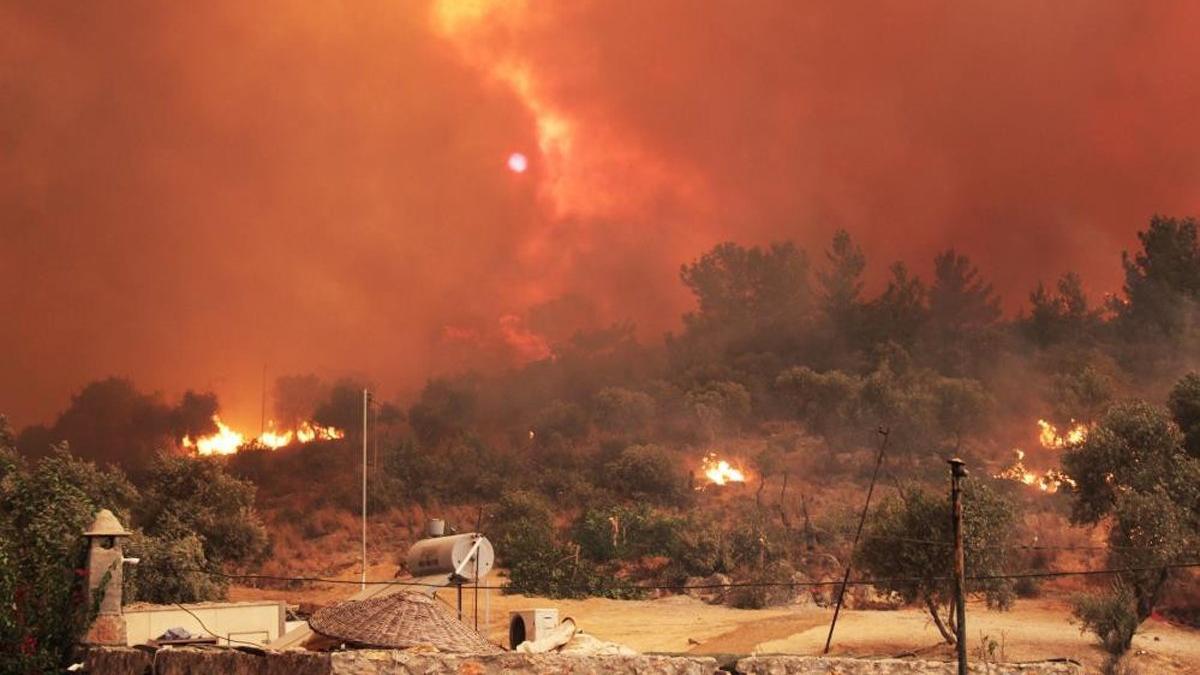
(232,623)
(531,625)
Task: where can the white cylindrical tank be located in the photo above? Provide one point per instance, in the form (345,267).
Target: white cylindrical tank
(444,555)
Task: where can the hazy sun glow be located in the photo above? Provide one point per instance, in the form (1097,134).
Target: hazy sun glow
(517,163)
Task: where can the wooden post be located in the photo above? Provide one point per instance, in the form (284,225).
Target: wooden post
(366,403)
(958,471)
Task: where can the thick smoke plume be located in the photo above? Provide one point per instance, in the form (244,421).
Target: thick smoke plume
(191,191)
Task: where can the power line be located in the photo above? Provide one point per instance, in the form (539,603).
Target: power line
(208,630)
(1024,547)
(317,580)
(746,584)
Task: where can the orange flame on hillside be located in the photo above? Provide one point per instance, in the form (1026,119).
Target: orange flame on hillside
(1052,440)
(227,441)
(1051,480)
(720,472)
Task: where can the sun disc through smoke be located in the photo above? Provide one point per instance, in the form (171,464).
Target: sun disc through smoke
(517,163)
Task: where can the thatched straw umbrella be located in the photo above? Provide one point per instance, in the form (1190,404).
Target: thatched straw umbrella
(399,621)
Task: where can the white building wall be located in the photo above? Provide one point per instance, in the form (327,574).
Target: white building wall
(232,623)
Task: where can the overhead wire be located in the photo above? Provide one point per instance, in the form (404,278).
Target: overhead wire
(990,547)
(1032,574)
(208,630)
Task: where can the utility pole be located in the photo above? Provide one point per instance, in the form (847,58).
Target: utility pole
(262,420)
(366,403)
(837,610)
(958,471)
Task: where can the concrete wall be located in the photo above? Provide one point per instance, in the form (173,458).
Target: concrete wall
(187,661)
(254,622)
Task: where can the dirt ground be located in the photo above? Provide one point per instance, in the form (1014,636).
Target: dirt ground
(1032,630)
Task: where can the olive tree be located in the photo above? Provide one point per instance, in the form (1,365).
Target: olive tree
(1135,473)
(184,495)
(908,544)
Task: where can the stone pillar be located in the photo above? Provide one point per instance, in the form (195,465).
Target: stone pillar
(105,572)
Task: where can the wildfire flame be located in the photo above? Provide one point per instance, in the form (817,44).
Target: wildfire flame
(720,472)
(227,441)
(1049,437)
(1052,440)
(1050,481)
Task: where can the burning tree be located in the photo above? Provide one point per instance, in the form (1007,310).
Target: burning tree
(909,543)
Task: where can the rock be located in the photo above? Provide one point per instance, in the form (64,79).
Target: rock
(718,590)
(869,597)
(825,595)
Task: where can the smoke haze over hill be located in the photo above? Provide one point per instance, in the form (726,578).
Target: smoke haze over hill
(193,191)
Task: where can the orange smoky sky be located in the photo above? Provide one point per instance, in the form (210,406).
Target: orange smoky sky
(191,192)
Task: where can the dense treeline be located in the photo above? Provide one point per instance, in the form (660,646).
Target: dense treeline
(774,338)
(777,340)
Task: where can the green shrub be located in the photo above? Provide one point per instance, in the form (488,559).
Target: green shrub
(701,548)
(166,570)
(625,533)
(1111,616)
(772,590)
(44,508)
(894,546)
(648,472)
(623,411)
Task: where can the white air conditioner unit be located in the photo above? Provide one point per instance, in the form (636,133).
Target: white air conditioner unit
(530,624)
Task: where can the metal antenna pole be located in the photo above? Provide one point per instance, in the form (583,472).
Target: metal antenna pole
(478,533)
(854,547)
(262,419)
(958,471)
(366,400)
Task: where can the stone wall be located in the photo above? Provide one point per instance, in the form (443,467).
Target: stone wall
(816,665)
(188,661)
(370,662)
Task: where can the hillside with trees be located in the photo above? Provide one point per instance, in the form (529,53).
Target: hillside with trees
(587,467)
